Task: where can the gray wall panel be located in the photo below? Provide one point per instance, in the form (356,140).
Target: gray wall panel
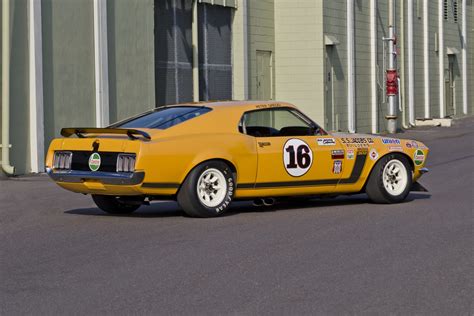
(130,37)
(68,65)
(19,110)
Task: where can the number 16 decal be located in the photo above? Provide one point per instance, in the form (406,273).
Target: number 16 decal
(297,157)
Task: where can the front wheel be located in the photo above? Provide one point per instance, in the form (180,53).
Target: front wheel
(390,180)
(116,204)
(207,190)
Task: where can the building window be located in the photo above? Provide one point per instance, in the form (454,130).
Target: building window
(445,9)
(455,11)
(418,9)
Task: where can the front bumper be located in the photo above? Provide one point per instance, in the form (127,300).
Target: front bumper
(113,178)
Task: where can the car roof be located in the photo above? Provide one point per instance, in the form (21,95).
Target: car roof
(240,105)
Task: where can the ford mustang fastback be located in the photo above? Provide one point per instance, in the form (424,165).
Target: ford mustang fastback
(205,155)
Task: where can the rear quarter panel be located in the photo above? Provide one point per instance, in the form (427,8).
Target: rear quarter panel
(169,160)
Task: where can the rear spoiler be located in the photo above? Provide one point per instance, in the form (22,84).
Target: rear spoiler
(80,131)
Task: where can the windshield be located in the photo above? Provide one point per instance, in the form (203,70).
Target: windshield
(163,118)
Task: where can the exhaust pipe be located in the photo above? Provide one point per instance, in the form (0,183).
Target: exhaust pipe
(264,202)
(258,202)
(268,201)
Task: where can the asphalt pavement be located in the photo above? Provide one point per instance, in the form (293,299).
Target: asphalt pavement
(59,254)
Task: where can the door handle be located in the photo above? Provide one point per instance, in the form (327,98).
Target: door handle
(263,144)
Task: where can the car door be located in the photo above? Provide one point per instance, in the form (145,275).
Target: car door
(291,152)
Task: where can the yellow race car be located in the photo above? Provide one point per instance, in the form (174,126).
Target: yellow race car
(205,155)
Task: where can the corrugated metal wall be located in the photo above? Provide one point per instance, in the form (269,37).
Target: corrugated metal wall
(173,51)
(215,52)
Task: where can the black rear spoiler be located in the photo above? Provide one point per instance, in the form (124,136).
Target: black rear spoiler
(80,131)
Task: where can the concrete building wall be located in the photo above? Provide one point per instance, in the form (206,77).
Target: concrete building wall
(240,52)
(299,45)
(418,56)
(68,65)
(362,65)
(334,17)
(470,55)
(453,39)
(434,60)
(130,36)
(261,37)
(19,94)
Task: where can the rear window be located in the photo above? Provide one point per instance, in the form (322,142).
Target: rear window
(163,118)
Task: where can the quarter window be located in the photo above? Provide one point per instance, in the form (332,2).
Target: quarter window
(163,118)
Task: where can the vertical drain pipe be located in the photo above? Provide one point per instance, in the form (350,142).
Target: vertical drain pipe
(411,67)
(373,63)
(464,57)
(442,108)
(101,65)
(426,57)
(9,169)
(195,43)
(350,67)
(36,86)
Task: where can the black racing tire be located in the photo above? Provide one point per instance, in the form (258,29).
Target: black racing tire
(381,191)
(191,198)
(117,205)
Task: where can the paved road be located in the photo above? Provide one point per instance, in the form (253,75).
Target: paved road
(59,254)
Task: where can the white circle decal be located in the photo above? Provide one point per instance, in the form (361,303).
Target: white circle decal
(297,157)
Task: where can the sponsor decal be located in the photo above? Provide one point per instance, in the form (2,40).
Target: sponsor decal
(419,157)
(271,105)
(297,157)
(326,141)
(357,142)
(373,154)
(337,167)
(390,141)
(395,148)
(337,154)
(411,144)
(94,161)
(350,154)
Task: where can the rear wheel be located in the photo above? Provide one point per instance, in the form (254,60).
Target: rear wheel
(390,180)
(207,190)
(117,204)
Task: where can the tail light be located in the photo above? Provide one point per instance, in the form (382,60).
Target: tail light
(126,162)
(62,160)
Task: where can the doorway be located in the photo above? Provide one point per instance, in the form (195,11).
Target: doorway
(264,75)
(329,123)
(449,87)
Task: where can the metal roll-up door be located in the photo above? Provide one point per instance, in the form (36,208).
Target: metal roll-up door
(215,62)
(173,51)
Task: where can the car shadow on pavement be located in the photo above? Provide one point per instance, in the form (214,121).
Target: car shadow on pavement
(172,209)
(159,209)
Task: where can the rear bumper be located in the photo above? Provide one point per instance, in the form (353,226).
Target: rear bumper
(113,178)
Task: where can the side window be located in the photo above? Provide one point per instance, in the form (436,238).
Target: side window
(276,122)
